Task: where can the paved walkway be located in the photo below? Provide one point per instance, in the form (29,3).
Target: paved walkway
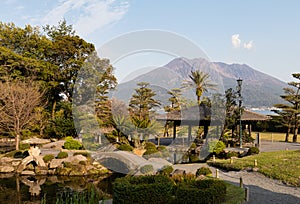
(268,146)
(263,190)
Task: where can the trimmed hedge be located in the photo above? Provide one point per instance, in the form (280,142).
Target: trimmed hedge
(208,191)
(162,189)
(143,189)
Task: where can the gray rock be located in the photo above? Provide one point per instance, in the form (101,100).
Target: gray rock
(31,173)
(56,163)
(6,169)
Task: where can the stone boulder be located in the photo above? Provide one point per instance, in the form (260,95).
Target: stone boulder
(7,169)
(56,163)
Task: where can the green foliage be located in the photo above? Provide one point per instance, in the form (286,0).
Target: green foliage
(62,155)
(216,146)
(193,158)
(280,165)
(143,189)
(166,170)
(150,145)
(125,147)
(88,196)
(48,157)
(24,146)
(85,154)
(147,169)
(161,148)
(253,150)
(193,145)
(203,171)
(201,191)
(72,144)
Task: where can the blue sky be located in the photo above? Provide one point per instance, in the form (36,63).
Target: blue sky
(263,34)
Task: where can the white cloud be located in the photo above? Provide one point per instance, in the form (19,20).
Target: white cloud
(87,15)
(236,42)
(248,45)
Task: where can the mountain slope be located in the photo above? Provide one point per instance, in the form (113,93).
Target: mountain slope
(258,89)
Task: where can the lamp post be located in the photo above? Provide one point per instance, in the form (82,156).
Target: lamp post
(239,90)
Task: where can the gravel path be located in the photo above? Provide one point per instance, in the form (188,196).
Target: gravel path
(263,190)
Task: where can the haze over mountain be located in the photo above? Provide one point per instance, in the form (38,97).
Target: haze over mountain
(258,89)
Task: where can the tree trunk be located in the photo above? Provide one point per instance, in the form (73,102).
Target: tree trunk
(17,141)
(53,110)
(287,134)
(295,134)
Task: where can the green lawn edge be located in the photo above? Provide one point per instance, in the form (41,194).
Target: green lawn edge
(280,165)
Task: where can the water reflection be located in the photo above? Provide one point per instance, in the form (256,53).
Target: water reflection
(36,189)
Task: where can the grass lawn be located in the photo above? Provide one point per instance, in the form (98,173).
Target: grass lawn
(234,194)
(275,136)
(281,165)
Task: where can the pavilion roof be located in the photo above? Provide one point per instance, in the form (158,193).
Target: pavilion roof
(196,114)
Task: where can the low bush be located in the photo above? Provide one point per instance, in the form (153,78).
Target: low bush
(150,145)
(125,147)
(253,150)
(166,170)
(62,155)
(85,154)
(23,146)
(162,148)
(72,144)
(48,157)
(201,191)
(143,189)
(203,171)
(147,169)
(217,147)
(193,145)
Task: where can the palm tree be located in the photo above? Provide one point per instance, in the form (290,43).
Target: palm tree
(200,82)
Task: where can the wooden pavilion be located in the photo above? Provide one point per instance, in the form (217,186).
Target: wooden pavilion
(205,116)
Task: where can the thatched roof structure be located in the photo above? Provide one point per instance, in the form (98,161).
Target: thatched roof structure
(252,116)
(196,115)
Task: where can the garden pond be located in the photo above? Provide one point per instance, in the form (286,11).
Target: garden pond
(55,189)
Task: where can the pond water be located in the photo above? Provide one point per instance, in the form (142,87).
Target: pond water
(54,189)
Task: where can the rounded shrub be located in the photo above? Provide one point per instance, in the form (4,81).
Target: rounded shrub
(85,154)
(203,171)
(162,148)
(150,145)
(147,169)
(230,154)
(48,157)
(62,155)
(72,144)
(125,147)
(166,170)
(253,150)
